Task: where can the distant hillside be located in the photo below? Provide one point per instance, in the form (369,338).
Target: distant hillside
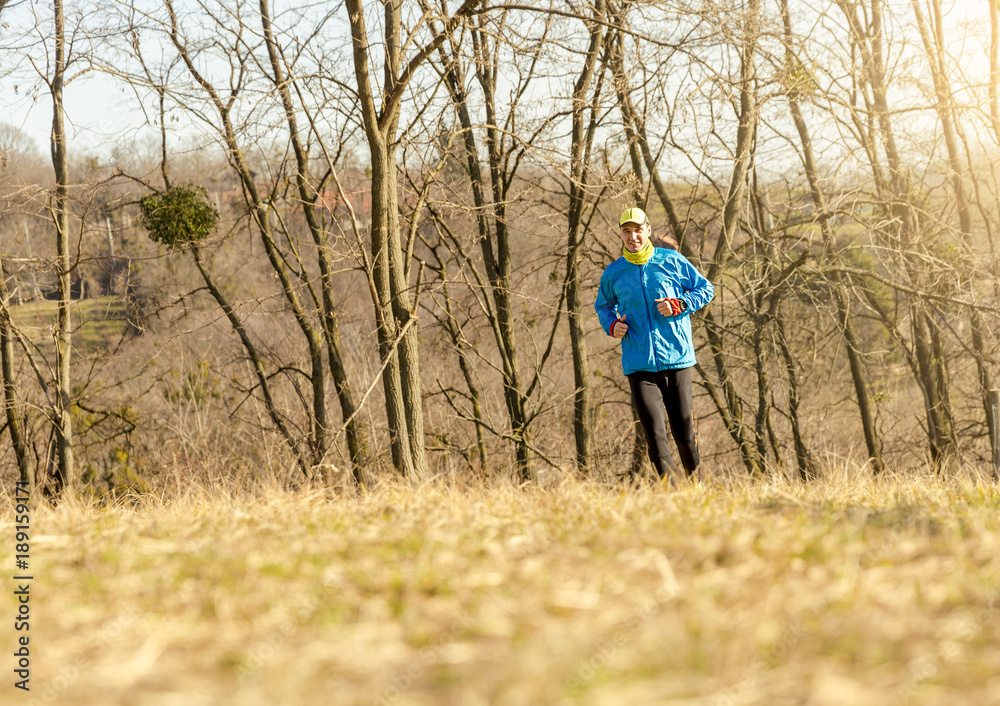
(98,324)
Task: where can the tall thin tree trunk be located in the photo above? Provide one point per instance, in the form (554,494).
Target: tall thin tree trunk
(762,418)
(475,396)
(857,365)
(500,279)
(25,469)
(581,140)
(766,302)
(384,207)
(493,242)
(64,480)
(730,222)
(394,315)
(803,458)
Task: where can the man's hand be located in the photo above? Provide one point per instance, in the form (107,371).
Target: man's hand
(619,328)
(670,307)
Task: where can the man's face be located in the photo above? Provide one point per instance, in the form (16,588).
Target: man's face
(635,236)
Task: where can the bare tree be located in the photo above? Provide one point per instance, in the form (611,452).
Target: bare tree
(904,233)
(798,82)
(309,196)
(308,294)
(724,246)
(62,420)
(12,409)
(585,116)
(505,152)
(394,310)
(951,127)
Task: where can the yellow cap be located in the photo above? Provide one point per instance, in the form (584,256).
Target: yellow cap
(632,215)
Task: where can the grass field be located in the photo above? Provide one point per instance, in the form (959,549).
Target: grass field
(845,592)
(97,324)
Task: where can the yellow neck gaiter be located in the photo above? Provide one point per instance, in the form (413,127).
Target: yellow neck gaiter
(641,257)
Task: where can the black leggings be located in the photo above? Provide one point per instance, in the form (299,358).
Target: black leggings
(669,392)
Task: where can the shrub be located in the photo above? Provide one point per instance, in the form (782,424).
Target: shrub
(180,216)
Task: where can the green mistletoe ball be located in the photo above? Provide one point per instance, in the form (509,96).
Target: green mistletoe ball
(181,215)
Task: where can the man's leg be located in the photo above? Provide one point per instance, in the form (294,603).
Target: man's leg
(648,400)
(677,400)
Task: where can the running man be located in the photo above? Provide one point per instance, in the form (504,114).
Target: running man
(645,299)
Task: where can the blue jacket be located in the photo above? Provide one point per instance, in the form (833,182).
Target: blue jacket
(654,342)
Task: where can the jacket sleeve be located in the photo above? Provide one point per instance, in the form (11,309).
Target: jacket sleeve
(606,304)
(698,291)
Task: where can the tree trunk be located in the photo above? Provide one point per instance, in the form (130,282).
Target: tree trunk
(408,350)
(25,469)
(762,420)
(733,419)
(937,426)
(385,220)
(857,365)
(803,459)
(401,375)
(500,273)
(475,396)
(581,141)
(64,480)
(737,186)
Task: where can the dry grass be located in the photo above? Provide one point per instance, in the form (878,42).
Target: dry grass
(845,592)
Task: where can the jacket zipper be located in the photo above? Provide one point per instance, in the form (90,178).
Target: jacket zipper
(649,317)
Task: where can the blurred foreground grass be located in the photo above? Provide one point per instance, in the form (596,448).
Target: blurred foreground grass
(845,592)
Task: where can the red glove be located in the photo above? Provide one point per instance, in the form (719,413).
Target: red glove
(671,307)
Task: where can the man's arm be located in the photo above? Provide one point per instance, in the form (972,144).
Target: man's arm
(606,305)
(698,291)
